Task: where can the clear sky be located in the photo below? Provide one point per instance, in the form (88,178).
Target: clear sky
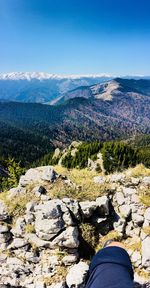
(75,36)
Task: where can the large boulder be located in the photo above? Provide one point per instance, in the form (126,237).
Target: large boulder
(46,229)
(68,238)
(36,175)
(77,275)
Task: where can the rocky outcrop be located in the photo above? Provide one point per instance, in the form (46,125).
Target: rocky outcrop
(44,246)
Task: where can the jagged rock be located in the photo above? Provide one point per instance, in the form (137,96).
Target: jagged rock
(146,180)
(3,228)
(34,240)
(88,207)
(131,231)
(118,177)
(77,275)
(119,225)
(125,210)
(38,191)
(99,179)
(120,198)
(74,144)
(69,259)
(136,258)
(128,191)
(30,206)
(35,175)
(49,210)
(73,206)
(103,205)
(67,218)
(17,243)
(19,228)
(3,211)
(68,238)
(46,229)
(146,253)
(135,181)
(147,217)
(137,219)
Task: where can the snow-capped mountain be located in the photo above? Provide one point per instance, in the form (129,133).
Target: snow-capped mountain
(42,87)
(43,76)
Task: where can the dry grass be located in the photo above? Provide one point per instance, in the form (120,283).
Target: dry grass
(82,178)
(145,197)
(29,228)
(60,275)
(138,170)
(17,204)
(146,230)
(89,234)
(143,273)
(113,235)
(134,245)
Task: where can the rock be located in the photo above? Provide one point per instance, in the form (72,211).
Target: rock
(135,181)
(119,225)
(120,198)
(49,210)
(73,206)
(147,215)
(136,258)
(103,204)
(77,275)
(40,284)
(99,179)
(73,152)
(19,228)
(17,243)
(49,174)
(30,206)
(34,240)
(68,238)
(46,229)
(61,284)
(146,180)
(74,144)
(67,218)
(125,210)
(128,191)
(117,177)
(35,175)
(69,259)
(3,211)
(3,228)
(137,219)
(88,207)
(38,191)
(131,231)
(146,253)
(57,153)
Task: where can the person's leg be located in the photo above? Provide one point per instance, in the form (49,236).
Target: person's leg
(111,268)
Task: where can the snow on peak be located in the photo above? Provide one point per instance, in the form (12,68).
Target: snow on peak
(43,76)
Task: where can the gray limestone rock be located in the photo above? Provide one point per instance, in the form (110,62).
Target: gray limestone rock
(77,275)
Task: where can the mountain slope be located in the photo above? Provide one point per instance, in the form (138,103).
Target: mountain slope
(42,87)
(106,111)
(108,90)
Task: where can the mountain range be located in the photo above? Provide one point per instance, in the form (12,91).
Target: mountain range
(39,87)
(42,87)
(119,108)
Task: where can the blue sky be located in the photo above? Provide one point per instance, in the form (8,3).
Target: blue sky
(75,36)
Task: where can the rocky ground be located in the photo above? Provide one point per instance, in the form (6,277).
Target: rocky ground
(48,242)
